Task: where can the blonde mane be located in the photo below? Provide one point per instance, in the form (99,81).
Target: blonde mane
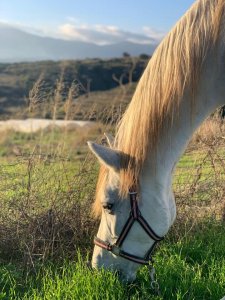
(175,66)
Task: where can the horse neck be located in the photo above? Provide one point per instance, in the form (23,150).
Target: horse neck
(156,177)
(175,137)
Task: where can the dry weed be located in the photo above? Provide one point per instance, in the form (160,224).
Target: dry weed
(46,194)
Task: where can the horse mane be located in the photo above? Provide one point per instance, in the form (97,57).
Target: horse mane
(175,66)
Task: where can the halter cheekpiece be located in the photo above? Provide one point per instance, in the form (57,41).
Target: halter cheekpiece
(135,215)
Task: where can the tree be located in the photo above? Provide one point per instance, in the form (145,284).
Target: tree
(144,56)
(126,54)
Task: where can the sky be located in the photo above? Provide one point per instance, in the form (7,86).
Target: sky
(97,21)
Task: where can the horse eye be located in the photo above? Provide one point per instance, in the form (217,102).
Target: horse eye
(107,206)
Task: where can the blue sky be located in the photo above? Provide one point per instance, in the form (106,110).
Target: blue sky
(100,21)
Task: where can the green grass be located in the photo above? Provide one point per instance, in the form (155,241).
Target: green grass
(189,264)
(200,176)
(48,164)
(191,268)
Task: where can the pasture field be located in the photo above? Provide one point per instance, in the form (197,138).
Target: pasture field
(46,229)
(192,267)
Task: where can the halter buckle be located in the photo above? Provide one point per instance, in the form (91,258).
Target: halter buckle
(115,250)
(132,193)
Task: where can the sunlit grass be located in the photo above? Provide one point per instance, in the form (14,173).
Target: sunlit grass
(191,268)
(190,265)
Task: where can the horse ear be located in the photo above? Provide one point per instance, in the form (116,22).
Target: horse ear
(107,156)
(110,139)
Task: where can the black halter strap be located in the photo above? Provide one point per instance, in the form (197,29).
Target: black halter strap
(135,215)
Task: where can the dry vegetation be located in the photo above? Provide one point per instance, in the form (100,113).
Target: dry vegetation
(48,182)
(199,180)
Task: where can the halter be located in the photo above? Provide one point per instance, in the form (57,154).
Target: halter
(135,215)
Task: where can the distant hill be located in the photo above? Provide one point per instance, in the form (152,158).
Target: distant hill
(97,82)
(18,46)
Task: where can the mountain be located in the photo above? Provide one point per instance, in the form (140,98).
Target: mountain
(18,45)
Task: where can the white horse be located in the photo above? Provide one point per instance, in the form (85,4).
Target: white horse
(183,83)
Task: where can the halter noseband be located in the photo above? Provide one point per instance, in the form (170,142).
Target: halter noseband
(135,215)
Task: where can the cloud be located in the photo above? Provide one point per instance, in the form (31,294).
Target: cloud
(99,34)
(154,33)
(107,34)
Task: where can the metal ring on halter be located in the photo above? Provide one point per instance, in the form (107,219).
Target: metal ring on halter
(154,283)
